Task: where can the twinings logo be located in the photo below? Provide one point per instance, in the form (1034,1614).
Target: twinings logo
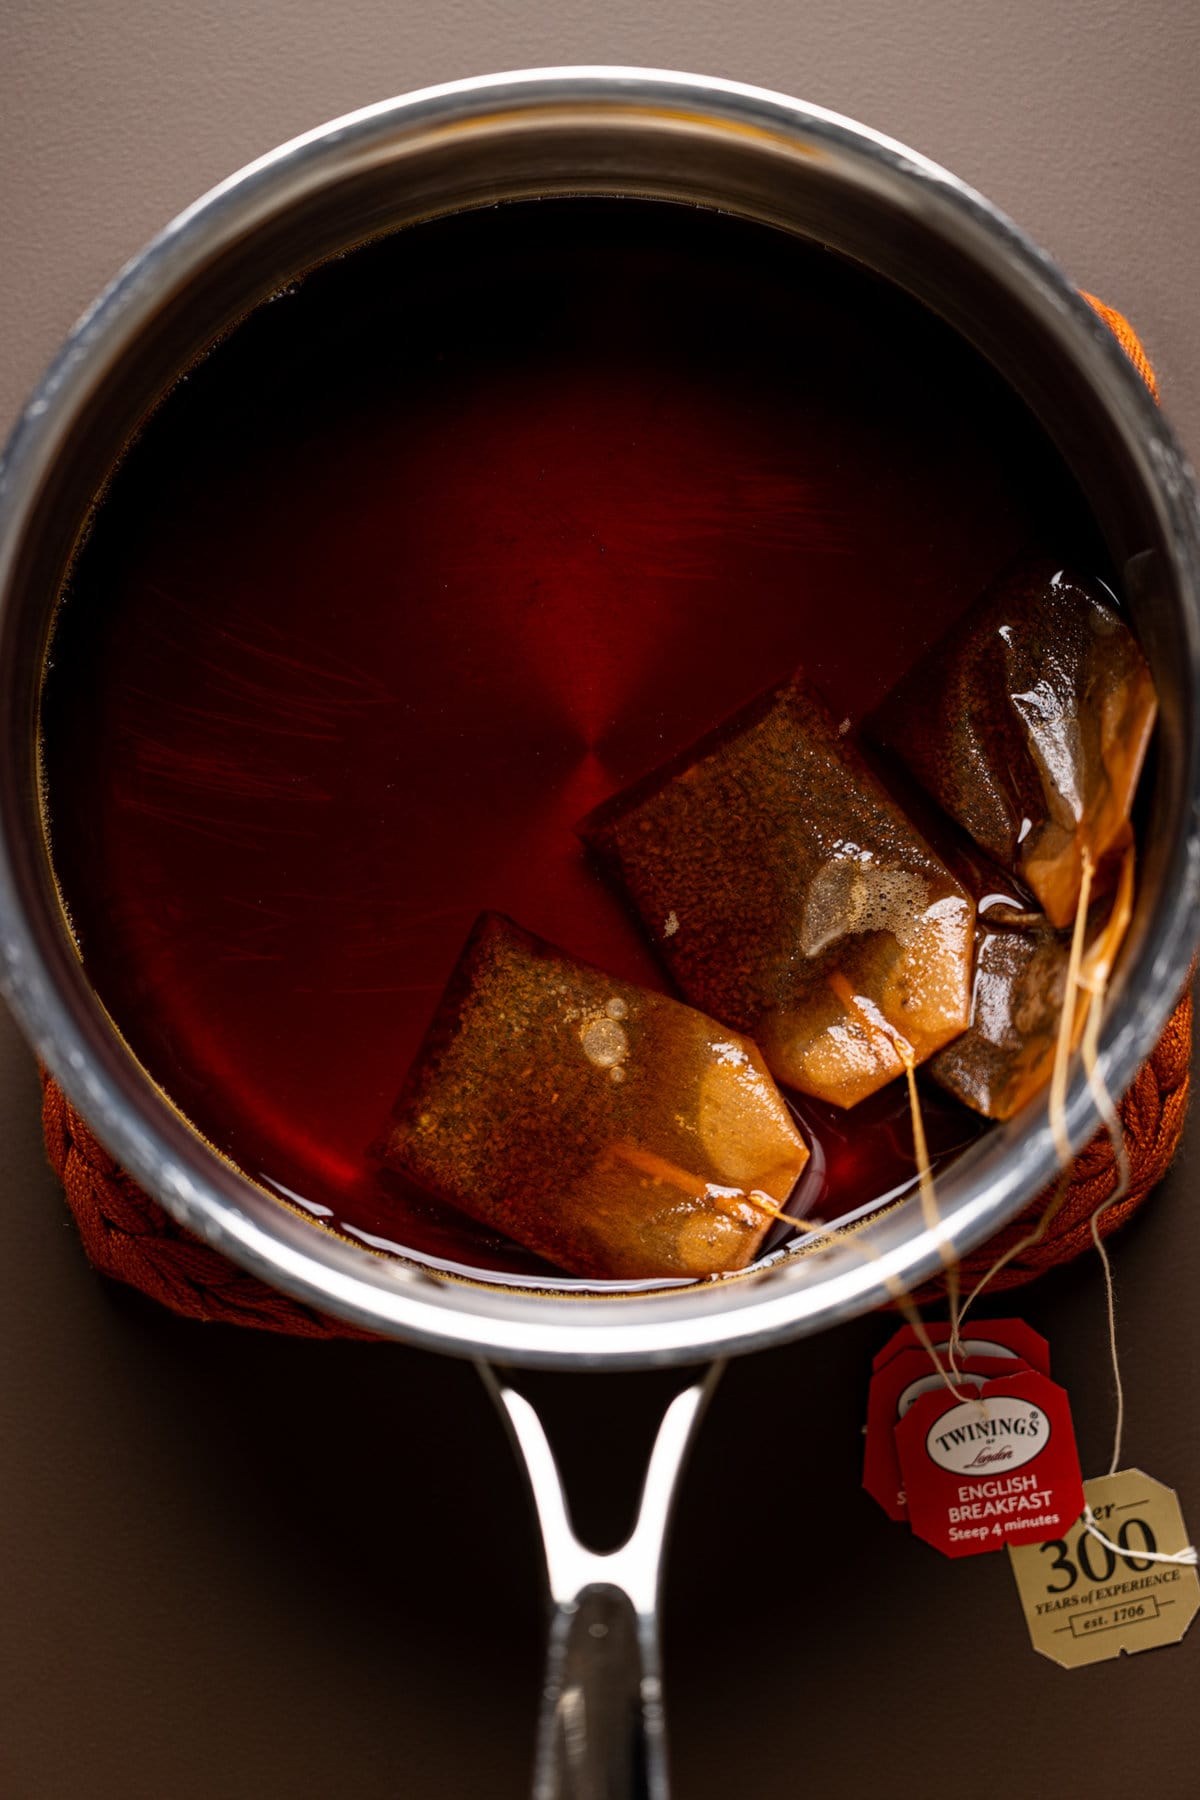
(967,1442)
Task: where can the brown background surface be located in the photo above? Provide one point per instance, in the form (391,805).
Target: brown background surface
(236,1567)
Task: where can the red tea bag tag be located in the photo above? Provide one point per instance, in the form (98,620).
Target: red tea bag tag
(1002,1469)
(990,1337)
(894,1388)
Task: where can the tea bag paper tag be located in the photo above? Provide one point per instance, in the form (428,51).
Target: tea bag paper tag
(991,1337)
(1002,1469)
(896,1387)
(1084,1602)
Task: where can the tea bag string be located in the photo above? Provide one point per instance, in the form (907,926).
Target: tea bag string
(896,1289)
(1094,982)
(1103,1099)
(1186,1556)
(951,1376)
(1108,1113)
(876,1026)
(1112,1125)
(931,1213)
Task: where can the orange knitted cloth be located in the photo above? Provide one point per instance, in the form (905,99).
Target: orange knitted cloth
(128,1236)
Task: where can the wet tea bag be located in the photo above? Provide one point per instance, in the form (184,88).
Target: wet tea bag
(1028,723)
(1007,1053)
(790,896)
(616,1132)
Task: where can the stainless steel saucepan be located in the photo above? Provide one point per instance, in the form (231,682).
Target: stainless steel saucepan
(711,143)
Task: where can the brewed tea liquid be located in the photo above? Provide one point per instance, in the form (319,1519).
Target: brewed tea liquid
(435,551)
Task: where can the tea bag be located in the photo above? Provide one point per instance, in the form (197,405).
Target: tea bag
(614,1131)
(1007,1053)
(1028,723)
(790,897)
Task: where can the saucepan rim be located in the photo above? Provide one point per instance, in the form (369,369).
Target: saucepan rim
(519,1325)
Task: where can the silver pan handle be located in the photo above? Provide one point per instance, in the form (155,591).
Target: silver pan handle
(601,1734)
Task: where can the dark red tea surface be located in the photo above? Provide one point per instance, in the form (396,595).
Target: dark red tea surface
(439,548)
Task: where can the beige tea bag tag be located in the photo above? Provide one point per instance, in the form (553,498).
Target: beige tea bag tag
(1094,1593)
